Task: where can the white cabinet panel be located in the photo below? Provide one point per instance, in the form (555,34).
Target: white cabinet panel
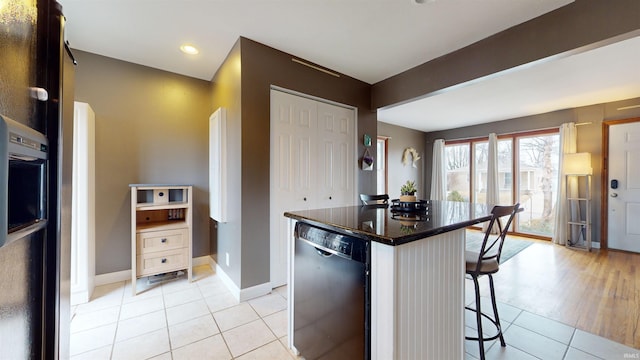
(83,210)
(218,165)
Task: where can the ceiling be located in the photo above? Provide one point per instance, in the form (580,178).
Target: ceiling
(369,40)
(605,74)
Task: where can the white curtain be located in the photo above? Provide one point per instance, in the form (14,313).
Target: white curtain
(493,189)
(438,175)
(567,146)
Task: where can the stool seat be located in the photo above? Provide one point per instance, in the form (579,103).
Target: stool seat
(487,267)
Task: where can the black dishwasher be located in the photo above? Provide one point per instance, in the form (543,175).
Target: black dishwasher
(331,295)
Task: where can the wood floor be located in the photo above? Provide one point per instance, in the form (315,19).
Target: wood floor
(598,291)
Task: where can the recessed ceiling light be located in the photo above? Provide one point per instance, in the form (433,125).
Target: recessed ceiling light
(189,49)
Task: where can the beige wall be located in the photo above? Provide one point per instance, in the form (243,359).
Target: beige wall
(151,127)
(401,138)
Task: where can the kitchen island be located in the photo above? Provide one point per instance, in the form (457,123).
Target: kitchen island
(416,274)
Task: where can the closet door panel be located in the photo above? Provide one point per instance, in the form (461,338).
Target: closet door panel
(293,170)
(336,130)
(313,162)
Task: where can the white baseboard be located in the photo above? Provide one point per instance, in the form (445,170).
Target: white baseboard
(255,291)
(80,297)
(201,260)
(240,294)
(124,275)
(113,277)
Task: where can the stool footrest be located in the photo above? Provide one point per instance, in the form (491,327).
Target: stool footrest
(493,321)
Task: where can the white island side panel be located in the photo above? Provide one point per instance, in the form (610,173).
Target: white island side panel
(417,300)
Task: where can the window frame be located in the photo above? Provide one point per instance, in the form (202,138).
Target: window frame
(385,141)
(514,167)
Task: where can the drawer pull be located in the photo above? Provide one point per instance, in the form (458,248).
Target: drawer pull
(164,260)
(163,240)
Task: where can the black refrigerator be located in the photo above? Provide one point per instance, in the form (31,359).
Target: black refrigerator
(36,113)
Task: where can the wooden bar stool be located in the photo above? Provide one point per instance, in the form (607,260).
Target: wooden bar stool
(487,262)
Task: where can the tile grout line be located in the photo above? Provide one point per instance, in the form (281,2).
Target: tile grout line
(166,321)
(544,335)
(115,333)
(226,344)
(219,328)
(122,298)
(566,351)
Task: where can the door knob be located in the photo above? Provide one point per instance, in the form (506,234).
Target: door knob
(614,195)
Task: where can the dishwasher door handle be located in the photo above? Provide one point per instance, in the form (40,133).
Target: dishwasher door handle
(323,253)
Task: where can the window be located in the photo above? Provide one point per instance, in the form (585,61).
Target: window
(528,174)
(505,170)
(538,158)
(457,170)
(481,156)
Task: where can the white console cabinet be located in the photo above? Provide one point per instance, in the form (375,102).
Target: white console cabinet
(161,230)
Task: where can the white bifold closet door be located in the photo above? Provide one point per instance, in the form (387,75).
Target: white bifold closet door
(313,162)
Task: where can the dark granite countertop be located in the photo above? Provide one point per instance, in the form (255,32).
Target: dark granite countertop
(383,225)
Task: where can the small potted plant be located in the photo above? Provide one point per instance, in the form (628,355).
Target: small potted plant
(408,192)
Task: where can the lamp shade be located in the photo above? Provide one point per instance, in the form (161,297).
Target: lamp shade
(577,164)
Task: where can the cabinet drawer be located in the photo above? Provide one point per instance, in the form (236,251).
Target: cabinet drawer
(159,262)
(153,241)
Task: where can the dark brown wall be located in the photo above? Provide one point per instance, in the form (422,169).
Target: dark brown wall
(574,27)
(263,67)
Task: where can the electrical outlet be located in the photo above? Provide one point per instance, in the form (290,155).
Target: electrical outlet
(227,258)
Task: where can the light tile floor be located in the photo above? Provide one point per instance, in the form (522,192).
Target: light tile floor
(202,320)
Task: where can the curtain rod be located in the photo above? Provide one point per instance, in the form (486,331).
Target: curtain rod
(517,132)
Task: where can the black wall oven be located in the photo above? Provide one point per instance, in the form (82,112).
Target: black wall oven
(23,173)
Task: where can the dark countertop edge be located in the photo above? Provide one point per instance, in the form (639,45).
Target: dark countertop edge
(387,240)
